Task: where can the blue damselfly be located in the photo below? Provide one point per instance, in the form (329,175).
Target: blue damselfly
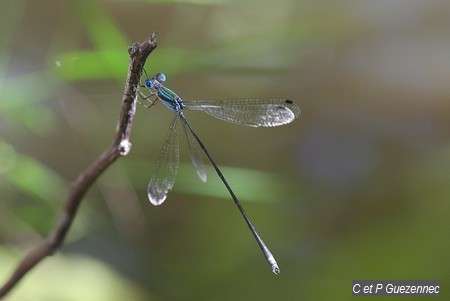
(249,112)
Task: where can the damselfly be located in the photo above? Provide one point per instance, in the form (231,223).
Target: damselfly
(249,112)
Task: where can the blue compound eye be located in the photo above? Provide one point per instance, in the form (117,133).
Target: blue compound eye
(161,77)
(149,83)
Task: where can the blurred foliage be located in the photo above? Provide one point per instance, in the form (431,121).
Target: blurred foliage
(99,283)
(354,189)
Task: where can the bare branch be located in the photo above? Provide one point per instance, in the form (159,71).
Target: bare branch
(120,147)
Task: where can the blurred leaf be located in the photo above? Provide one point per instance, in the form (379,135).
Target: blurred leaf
(63,277)
(109,59)
(90,65)
(104,32)
(11,15)
(35,179)
(174,61)
(248,184)
(7,156)
(39,120)
(105,35)
(22,99)
(197,2)
(31,177)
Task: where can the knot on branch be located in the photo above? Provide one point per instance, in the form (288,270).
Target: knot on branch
(134,48)
(124,147)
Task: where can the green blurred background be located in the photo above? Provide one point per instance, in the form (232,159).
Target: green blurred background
(356,188)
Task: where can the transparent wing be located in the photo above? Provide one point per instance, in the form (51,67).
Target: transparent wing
(196,152)
(249,112)
(164,175)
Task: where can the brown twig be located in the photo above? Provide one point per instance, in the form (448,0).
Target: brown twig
(120,147)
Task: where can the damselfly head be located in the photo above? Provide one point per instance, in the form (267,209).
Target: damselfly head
(149,84)
(161,77)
